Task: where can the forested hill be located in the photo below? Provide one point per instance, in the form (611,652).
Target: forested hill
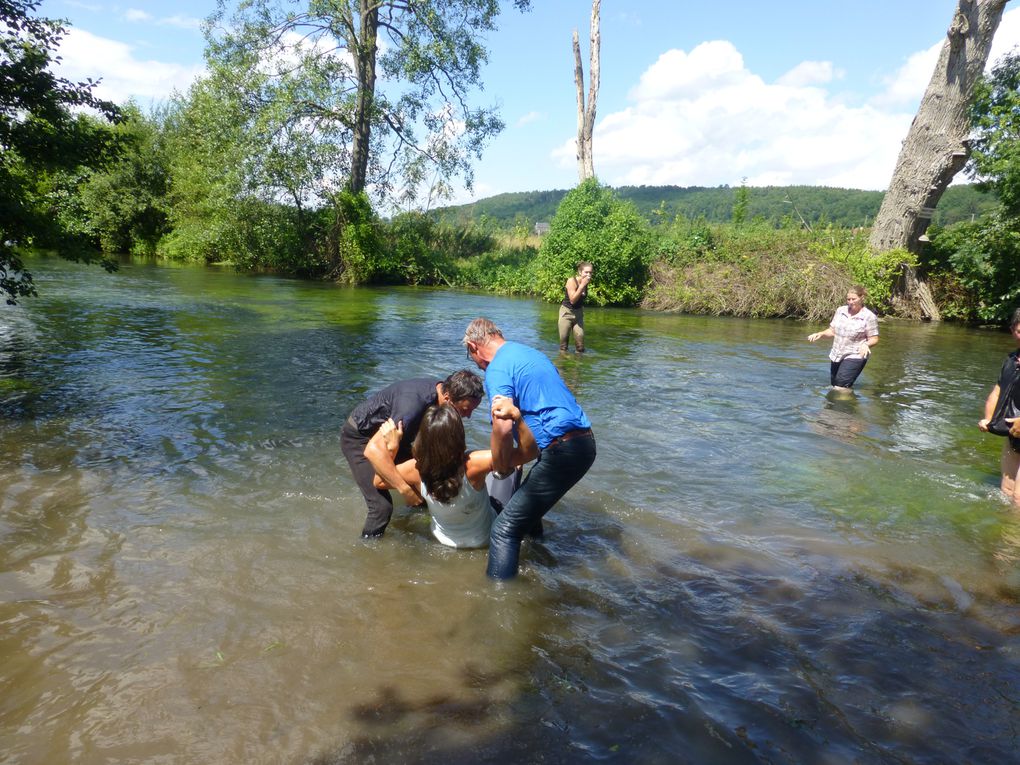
(813,204)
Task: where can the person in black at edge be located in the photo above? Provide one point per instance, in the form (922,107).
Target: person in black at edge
(403,402)
(1001,415)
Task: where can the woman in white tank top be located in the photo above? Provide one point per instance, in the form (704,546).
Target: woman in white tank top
(451,479)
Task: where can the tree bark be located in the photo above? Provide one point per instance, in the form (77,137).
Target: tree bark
(586,112)
(935,148)
(366,48)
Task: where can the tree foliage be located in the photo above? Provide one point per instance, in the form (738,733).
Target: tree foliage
(592,224)
(662,204)
(982,256)
(995,143)
(122,207)
(40,135)
(379,91)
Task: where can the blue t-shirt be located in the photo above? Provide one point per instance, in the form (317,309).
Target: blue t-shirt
(530,379)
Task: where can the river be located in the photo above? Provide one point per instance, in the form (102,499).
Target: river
(750,573)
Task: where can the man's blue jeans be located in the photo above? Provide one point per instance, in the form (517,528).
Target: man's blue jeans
(559,467)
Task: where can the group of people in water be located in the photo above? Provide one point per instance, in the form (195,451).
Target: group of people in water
(409,437)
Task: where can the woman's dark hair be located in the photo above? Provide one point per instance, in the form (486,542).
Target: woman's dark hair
(439,449)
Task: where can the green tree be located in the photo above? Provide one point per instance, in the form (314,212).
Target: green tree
(386,82)
(39,136)
(124,205)
(592,224)
(995,143)
(227,189)
(983,256)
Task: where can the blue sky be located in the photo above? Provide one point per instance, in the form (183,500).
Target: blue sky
(811,92)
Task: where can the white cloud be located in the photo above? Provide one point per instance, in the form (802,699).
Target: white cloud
(1007,36)
(810,73)
(530,117)
(181,22)
(123,76)
(703,118)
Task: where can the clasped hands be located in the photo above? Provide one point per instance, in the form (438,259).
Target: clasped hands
(503,409)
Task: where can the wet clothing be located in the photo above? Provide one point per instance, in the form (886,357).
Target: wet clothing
(405,402)
(843,374)
(1008,404)
(530,379)
(851,330)
(465,521)
(571,319)
(579,305)
(563,434)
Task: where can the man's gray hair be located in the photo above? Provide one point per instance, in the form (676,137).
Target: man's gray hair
(479,330)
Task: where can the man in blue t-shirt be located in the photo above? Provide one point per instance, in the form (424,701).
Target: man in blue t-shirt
(405,403)
(561,429)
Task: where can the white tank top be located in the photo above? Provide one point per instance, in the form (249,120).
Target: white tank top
(465,521)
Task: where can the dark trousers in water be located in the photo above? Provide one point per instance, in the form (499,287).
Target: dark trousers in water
(559,466)
(843,374)
(380,504)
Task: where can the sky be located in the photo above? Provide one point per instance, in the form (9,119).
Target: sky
(813,92)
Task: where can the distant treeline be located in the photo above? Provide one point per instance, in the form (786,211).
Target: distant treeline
(815,205)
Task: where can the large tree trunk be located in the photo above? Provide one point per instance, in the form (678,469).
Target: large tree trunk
(935,149)
(366,47)
(586,113)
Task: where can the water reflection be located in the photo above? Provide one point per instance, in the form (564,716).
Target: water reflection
(751,571)
(839,417)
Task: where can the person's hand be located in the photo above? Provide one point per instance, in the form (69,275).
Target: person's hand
(865,349)
(503,409)
(983,425)
(391,434)
(813,336)
(411,497)
(1014,426)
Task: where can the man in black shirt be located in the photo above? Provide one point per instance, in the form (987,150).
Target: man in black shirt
(404,402)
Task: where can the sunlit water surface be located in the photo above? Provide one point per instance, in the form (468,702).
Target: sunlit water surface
(751,572)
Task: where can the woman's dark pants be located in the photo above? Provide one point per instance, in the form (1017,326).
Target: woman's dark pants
(843,374)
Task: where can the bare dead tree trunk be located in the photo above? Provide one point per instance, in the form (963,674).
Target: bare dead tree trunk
(586,113)
(935,148)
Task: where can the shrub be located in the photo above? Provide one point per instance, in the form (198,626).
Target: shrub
(508,270)
(876,272)
(984,257)
(349,238)
(593,224)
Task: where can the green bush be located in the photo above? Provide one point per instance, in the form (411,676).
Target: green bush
(984,258)
(876,272)
(592,224)
(348,238)
(505,271)
(414,252)
(684,241)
